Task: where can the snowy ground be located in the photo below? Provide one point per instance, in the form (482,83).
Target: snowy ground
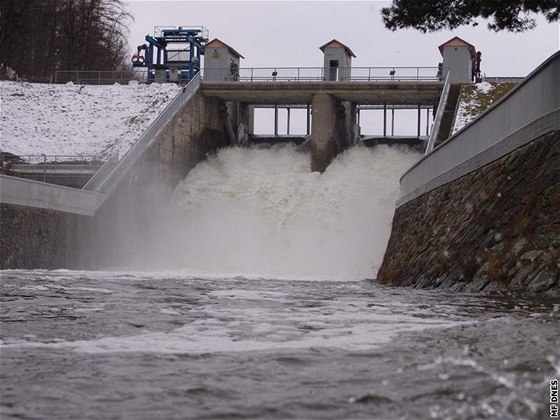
(75,119)
(477,98)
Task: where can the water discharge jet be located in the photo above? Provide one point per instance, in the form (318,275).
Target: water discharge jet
(261,212)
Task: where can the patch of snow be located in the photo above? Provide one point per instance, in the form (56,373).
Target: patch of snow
(462,118)
(75,120)
(470,102)
(485,87)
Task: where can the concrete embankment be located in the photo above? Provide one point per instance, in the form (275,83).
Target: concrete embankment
(482,211)
(39,233)
(39,222)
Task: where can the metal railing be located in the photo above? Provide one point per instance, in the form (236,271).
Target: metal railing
(158,30)
(107,183)
(439,115)
(502,79)
(13,164)
(100,77)
(50,159)
(318,74)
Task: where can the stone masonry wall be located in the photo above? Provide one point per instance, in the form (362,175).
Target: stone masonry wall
(495,228)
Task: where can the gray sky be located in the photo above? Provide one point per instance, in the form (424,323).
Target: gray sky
(289,34)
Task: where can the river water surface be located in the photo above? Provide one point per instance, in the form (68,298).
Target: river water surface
(141,346)
(256,300)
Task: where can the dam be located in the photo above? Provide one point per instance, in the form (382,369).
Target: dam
(216,109)
(212,272)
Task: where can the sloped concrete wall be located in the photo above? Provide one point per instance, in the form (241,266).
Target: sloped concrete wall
(528,111)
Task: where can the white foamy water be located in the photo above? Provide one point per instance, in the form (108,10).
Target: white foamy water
(263,213)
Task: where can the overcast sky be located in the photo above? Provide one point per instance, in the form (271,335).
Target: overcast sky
(289,34)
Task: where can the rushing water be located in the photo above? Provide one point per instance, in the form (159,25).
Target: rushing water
(261,307)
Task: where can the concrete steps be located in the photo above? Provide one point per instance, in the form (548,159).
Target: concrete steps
(448,116)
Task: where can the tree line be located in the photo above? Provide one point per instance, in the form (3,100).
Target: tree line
(38,37)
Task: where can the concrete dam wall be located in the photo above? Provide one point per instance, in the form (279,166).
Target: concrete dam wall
(482,211)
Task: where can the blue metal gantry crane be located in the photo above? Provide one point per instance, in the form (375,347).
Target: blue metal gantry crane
(178,65)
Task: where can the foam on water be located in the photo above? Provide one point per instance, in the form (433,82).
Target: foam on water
(262,213)
(240,320)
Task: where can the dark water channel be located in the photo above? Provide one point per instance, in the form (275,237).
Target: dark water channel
(102,345)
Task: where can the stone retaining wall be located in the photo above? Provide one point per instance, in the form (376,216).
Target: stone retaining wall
(495,228)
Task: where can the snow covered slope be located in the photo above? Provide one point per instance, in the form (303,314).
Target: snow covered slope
(77,120)
(477,98)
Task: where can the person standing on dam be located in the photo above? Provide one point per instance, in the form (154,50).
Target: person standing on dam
(476,67)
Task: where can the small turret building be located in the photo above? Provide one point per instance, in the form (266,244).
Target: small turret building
(458,56)
(337,61)
(221,62)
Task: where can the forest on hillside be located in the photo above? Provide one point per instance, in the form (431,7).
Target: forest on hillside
(39,37)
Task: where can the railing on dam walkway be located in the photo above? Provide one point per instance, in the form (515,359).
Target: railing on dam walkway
(439,114)
(318,74)
(114,170)
(529,111)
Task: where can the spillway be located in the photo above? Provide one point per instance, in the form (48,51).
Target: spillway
(261,212)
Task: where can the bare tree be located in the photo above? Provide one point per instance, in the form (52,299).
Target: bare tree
(38,37)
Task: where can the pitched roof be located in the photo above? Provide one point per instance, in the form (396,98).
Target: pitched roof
(458,42)
(337,44)
(216,43)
